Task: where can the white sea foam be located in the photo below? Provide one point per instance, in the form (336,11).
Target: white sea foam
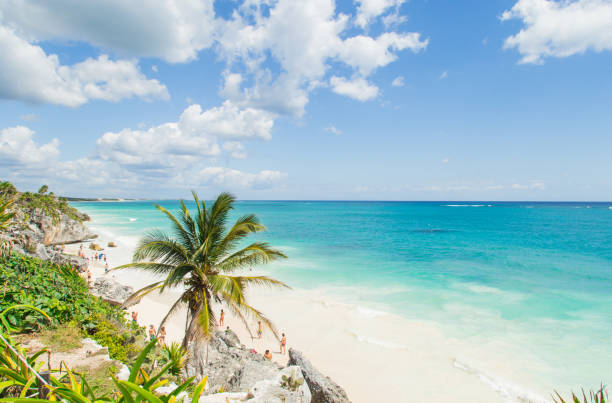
(133,219)
(508,390)
(465,205)
(376,342)
(368,313)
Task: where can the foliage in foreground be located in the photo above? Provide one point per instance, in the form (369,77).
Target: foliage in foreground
(20,381)
(200,256)
(601,396)
(64,296)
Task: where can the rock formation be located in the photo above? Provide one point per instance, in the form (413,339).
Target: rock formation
(322,388)
(111,291)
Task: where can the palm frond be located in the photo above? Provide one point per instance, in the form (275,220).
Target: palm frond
(157,246)
(254,254)
(153,267)
(244,226)
(173,309)
(185,237)
(178,273)
(137,296)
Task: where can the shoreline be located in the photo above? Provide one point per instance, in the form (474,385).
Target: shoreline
(344,341)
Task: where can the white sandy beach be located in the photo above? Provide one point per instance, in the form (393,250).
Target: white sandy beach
(374,355)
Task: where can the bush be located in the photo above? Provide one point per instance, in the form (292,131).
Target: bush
(64,296)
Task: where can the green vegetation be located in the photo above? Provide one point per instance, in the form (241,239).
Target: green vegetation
(19,379)
(50,204)
(600,396)
(63,294)
(199,257)
(62,338)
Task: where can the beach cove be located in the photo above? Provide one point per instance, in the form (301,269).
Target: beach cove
(353,334)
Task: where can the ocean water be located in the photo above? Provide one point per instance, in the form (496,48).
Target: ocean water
(533,276)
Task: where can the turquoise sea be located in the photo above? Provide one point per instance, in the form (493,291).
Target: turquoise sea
(536,275)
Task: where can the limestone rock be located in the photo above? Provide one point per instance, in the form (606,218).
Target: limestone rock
(322,388)
(230,366)
(111,290)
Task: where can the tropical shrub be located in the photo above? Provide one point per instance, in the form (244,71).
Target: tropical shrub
(64,296)
(20,381)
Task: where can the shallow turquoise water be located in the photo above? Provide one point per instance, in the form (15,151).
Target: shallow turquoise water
(536,274)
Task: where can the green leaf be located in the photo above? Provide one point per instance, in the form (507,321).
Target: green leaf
(143,393)
(141,357)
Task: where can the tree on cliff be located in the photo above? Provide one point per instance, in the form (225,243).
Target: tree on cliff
(199,257)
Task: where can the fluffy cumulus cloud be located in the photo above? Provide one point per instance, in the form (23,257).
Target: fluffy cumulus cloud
(17,148)
(195,135)
(304,39)
(29,74)
(173,30)
(357,88)
(560,28)
(276,52)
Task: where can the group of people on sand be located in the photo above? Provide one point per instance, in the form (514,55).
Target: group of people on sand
(268,354)
(153,334)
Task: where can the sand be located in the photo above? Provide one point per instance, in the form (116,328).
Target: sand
(375,356)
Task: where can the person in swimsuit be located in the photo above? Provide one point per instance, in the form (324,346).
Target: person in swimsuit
(162,335)
(259,329)
(88,278)
(283,344)
(268,355)
(222,318)
(135,317)
(152,332)
(106,268)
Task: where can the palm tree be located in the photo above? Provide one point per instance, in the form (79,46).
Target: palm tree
(201,257)
(5,214)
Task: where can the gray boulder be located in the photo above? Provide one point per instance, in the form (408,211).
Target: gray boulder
(267,391)
(111,291)
(322,388)
(230,365)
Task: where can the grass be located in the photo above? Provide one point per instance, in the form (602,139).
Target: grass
(99,377)
(62,338)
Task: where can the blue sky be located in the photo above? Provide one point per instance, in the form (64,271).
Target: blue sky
(372,99)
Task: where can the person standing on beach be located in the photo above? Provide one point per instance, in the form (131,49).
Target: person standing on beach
(152,332)
(88,278)
(162,335)
(283,344)
(106,268)
(259,330)
(222,317)
(135,317)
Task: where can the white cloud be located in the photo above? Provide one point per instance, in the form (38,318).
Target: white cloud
(193,136)
(232,178)
(171,30)
(367,54)
(445,161)
(154,68)
(398,82)
(31,75)
(305,39)
(443,75)
(333,130)
(357,88)
(367,10)
(17,148)
(560,28)
(235,149)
